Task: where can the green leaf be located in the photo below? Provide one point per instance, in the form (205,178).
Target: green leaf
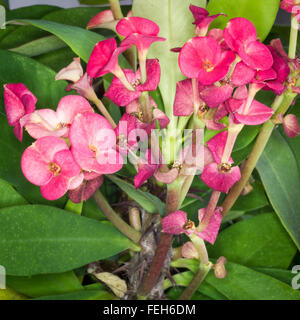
(9,196)
(246,136)
(280,176)
(146,200)
(260,241)
(82,295)
(254,200)
(40,46)
(58,59)
(39,239)
(81,41)
(175,22)
(46,284)
(261,13)
(285,276)
(242,283)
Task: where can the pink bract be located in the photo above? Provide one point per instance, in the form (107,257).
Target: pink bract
(121,96)
(291,125)
(93,142)
(49,164)
(46,122)
(202,58)
(241,37)
(104,59)
(102,17)
(143,26)
(210,232)
(175,222)
(18,101)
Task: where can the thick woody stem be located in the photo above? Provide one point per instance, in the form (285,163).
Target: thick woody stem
(163,246)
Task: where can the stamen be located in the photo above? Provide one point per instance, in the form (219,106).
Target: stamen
(54,168)
(224,167)
(189,225)
(208,66)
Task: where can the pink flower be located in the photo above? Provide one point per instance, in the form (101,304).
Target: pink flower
(140,32)
(242,74)
(134,109)
(46,122)
(93,142)
(80,82)
(241,112)
(147,166)
(183,103)
(18,101)
(202,20)
(104,59)
(209,233)
(48,163)
(122,96)
(241,37)
(202,58)
(177,223)
(291,125)
(86,189)
(292,6)
(105,16)
(213,96)
(126,133)
(217,175)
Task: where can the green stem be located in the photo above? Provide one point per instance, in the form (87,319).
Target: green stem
(293,37)
(116,9)
(146,107)
(74,207)
(114,218)
(280,105)
(196,281)
(101,107)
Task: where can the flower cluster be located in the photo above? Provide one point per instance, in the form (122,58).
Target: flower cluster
(74,146)
(225,70)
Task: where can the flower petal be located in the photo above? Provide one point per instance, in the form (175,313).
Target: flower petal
(174,222)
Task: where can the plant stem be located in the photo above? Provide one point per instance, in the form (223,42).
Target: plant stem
(196,281)
(114,218)
(280,105)
(116,9)
(101,107)
(293,37)
(146,107)
(164,243)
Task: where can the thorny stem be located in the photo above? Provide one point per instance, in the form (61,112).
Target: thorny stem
(196,281)
(164,244)
(116,9)
(115,219)
(135,218)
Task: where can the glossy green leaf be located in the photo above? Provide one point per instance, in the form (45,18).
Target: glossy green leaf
(46,284)
(146,200)
(261,13)
(9,196)
(175,22)
(285,276)
(40,46)
(254,200)
(242,283)
(39,239)
(82,295)
(81,41)
(280,176)
(58,59)
(246,136)
(260,241)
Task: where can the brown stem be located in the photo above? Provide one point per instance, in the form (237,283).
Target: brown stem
(163,246)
